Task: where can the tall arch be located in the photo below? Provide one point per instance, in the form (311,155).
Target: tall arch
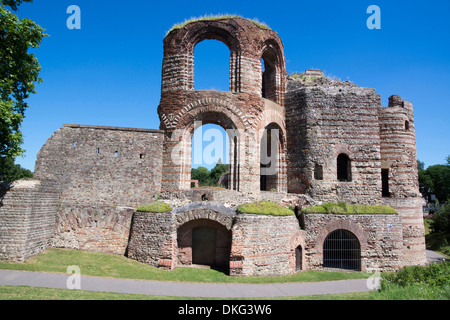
(272,158)
(207,113)
(272,82)
(211,66)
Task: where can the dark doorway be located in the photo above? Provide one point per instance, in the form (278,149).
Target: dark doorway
(385,183)
(298,258)
(343,168)
(341,250)
(204,246)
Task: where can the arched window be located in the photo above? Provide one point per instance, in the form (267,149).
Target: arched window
(342,250)
(271,153)
(406,125)
(344,168)
(269,75)
(212,66)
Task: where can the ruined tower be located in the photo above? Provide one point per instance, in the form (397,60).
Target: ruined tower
(255,101)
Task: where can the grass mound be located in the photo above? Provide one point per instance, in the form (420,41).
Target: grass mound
(343,208)
(155,207)
(265,208)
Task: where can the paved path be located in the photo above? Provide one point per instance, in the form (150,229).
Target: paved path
(434,256)
(182,289)
(207,290)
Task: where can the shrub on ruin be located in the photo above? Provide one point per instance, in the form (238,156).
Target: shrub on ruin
(343,208)
(265,208)
(155,207)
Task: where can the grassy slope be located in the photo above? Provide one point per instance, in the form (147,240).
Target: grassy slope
(105,265)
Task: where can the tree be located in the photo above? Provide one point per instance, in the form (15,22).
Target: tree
(218,171)
(435,180)
(440,176)
(12,172)
(201,174)
(209,178)
(19,72)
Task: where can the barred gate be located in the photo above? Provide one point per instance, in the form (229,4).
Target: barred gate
(342,250)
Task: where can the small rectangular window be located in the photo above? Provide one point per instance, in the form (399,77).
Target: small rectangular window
(116,154)
(74,144)
(318,172)
(141,156)
(98,150)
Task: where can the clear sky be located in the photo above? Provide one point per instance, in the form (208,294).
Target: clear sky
(109,71)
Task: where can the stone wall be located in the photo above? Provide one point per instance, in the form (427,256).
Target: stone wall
(410,210)
(380,238)
(93,228)
(27,218)
(326,118)
(153,239)
(264,245)
(102,172)
(103,165)
(247,244)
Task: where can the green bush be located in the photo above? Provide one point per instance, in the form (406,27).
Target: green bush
(265,208)
(155,207)
(436,274)
(343,208)
(417,282)
(438,238)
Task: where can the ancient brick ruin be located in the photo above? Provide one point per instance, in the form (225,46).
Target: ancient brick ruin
(334,143)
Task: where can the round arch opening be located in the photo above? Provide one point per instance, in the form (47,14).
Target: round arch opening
(342,250)
(204,242)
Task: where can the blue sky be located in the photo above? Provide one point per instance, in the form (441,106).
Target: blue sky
(109,72)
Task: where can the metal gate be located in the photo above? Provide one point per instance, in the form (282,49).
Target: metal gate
(342,250)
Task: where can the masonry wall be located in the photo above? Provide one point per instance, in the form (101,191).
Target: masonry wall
(103,165)
(153,239)
(103,172)
(264,245)
(325,118)
(27,218)
(399,159)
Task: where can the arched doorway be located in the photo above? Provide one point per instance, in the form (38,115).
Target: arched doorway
(342,250)
(204,242)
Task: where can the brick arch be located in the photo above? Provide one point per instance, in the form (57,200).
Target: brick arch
(269,116)
(234,119)
(207,211)
(345,225)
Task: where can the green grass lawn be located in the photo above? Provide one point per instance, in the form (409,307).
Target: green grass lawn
(33,293)
(114,266)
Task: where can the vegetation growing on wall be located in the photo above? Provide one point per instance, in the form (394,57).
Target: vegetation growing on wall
(265,208)
(155,207)
(260,24)
(343,208)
